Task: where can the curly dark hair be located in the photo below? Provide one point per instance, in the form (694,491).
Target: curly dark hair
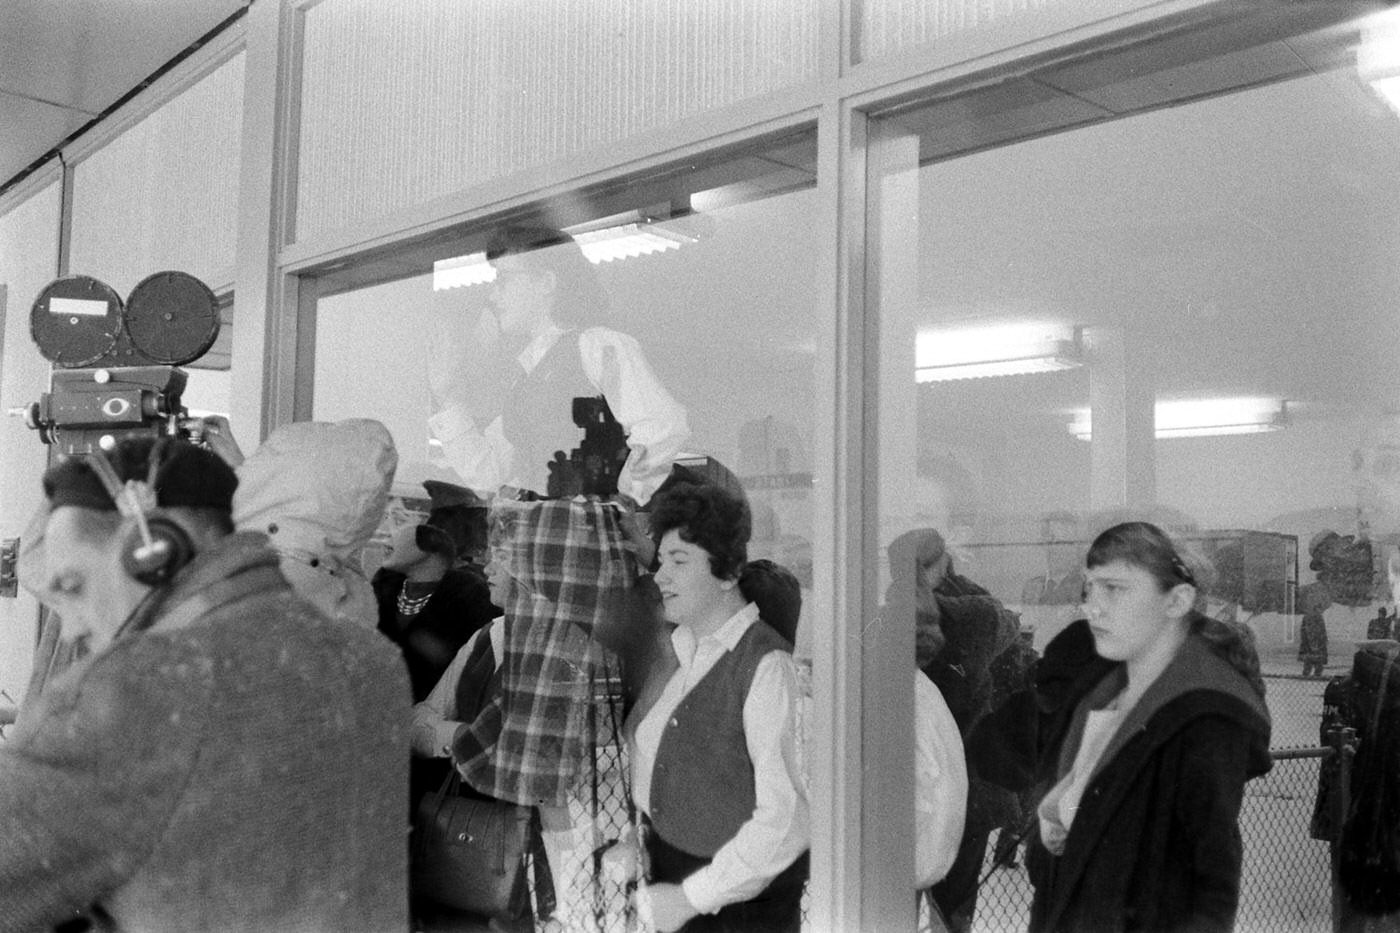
(777,593)
(708,516)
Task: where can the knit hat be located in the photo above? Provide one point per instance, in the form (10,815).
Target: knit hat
(186,476)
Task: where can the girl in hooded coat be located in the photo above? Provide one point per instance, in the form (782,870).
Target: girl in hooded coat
(1154,732)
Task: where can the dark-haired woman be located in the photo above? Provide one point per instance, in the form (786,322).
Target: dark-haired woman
(1147,762)
(715,761)
(429,605)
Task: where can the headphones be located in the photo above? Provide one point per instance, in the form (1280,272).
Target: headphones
(157,547)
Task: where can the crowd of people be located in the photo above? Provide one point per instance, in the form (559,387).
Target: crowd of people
(251,725)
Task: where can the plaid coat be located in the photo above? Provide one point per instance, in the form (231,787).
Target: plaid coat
(570,576)
(239,765)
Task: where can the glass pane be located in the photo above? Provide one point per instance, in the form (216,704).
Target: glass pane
(710,288)
(207,391)
(673,327)
(1099,303)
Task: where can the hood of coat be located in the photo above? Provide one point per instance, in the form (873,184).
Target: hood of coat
(318,490)
(1197,682)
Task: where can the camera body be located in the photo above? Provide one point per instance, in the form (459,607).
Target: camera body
(93,409)
(116,364)
(592,468)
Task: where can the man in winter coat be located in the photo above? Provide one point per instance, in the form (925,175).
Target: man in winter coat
(225,757)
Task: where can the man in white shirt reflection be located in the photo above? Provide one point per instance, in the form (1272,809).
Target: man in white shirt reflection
(715,761)
(547,306)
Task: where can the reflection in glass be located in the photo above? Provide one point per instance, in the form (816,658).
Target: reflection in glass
(558,371)
(1207,227)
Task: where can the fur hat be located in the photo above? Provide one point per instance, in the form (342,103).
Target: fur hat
(185,476)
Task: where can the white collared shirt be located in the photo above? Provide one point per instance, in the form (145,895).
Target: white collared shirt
(779,830)
(435,720)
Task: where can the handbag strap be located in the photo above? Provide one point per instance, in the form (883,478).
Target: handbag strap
(450,782)
(545,897)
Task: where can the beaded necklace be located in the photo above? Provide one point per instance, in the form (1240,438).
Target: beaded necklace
(414,605)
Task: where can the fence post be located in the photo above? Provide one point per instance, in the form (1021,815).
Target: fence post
(1342,741)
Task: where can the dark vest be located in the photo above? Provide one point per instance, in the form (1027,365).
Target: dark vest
(538,415)
(702,787)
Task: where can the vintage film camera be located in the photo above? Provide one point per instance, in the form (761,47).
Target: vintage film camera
(592,467)
(116,365)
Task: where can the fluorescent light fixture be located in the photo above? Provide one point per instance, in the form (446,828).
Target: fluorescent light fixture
(1211,417)
(471,269)
(1389,90)
(1001,350)
(622,241)
(1378,57)
(627,241)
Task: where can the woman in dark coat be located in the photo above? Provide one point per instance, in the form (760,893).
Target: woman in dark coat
(429,605)
(1145,746)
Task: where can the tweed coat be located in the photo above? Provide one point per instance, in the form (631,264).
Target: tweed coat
(237,762)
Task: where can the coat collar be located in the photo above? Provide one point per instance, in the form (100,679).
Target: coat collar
(237,565)
(1198,682)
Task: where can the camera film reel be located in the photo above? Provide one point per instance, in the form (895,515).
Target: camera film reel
(170,319)
(76,321)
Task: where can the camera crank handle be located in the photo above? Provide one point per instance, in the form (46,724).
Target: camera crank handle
(30,414)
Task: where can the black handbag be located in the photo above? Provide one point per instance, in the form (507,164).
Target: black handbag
(469,852)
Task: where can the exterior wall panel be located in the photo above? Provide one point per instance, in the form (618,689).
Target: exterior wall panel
(164,194)
(28,261)
(405,102)
(953,30)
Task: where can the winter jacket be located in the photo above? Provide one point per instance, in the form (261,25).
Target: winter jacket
(236,763)
(1155,844)
(318,490)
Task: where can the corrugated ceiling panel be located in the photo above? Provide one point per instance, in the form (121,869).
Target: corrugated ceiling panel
(413,100)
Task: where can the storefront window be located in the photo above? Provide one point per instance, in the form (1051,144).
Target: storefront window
(553,365)
(1100,303)
(704,327)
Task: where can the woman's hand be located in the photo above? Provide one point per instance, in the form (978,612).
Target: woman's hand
(637,540)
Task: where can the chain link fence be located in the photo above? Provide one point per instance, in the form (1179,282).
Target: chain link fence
(592,895)
(1286,884)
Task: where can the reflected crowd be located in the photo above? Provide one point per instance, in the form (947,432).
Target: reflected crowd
(563,695)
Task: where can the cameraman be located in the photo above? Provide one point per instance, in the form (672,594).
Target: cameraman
(225,758)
